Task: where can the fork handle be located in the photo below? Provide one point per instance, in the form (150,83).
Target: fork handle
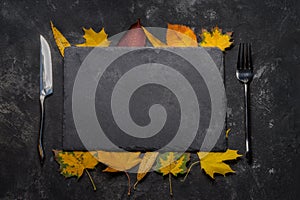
(247,123)
(40,142)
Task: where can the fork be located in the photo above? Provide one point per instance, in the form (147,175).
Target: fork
(244,74)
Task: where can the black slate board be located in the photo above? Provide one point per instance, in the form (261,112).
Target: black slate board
(74,59)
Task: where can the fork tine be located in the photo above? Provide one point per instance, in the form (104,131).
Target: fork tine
(240,57)
(249,57)
(243,57)
(245,54)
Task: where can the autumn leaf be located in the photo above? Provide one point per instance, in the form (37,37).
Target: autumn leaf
(93,39)
(60,40)
(216,39)
(109,169)
(75,163)
(172,163)
(227,133)
(134,37)
(153,40)
(145,165)
(180,36)
(213,162)
(177,36)
(119,162)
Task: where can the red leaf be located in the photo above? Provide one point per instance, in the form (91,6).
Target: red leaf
(134,37)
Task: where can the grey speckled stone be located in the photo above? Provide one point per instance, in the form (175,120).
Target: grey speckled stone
(271,25)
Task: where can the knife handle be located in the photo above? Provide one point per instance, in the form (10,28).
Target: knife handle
(40,142)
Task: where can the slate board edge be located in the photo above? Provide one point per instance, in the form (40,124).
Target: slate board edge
(76,144)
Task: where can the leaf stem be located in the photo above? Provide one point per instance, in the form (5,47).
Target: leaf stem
(94,186)
(128,177)
(134,186)
(170,182)
(192,165)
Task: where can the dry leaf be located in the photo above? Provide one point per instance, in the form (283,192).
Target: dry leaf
(181,36)
(74,163)
(153,40)
(120,161)
(145,165)
(216,39)
(134,37)
(109,169)
(212,162)
(227,133)
(172,163)
(60,40)
(94,39)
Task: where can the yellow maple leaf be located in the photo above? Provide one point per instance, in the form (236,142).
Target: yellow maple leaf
(93,39)
(60,39)
(145,165)
(216,39)
(75,163)
(180,36)
(213,162)
(172,163)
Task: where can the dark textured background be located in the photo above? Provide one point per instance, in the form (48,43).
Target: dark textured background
(272,27)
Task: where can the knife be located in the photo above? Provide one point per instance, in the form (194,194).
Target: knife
(46,88)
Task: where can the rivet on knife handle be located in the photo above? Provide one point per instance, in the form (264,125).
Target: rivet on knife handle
(46,88)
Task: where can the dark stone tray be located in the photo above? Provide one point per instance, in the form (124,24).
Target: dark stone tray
(120,61)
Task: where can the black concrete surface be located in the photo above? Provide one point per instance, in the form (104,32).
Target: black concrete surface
(272,26)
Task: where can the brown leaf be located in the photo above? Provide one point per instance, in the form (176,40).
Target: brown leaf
(134,37)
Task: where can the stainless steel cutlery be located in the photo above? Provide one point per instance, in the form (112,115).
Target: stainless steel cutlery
(244,74)
(46,88)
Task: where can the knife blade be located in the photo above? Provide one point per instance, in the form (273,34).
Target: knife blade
(46,88)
